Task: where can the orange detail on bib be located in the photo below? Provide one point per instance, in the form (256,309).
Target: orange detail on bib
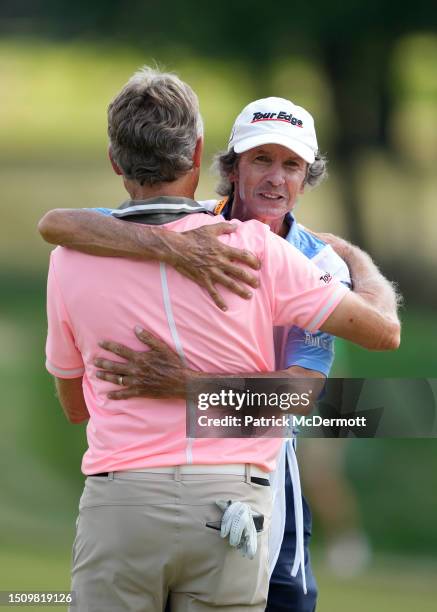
(220,205)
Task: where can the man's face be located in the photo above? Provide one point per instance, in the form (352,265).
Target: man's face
(267,182)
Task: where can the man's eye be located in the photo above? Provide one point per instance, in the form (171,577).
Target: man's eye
(263,159)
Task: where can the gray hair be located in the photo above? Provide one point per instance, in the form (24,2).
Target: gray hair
(226,162)
(153,126)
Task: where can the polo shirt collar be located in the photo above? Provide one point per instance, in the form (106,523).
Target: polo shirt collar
(158,210)
(293,236)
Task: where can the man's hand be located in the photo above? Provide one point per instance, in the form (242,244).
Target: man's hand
(197,254)
(201,257)
(160,373)
(157,373)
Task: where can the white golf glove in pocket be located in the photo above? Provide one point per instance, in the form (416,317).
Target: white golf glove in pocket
(238,523)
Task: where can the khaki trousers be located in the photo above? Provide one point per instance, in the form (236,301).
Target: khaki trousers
(142,537)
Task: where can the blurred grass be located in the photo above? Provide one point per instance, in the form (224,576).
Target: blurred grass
(39,571)
(390,585)
(415,358)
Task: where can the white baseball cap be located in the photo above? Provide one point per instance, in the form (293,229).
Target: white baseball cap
(275,121)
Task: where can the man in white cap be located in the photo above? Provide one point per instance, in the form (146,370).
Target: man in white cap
(272,156)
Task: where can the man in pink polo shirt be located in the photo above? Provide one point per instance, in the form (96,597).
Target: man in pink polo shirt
(142,526)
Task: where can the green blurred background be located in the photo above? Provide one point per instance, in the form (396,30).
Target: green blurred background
(368,74)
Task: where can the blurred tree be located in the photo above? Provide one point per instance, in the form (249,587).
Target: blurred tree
(353,42)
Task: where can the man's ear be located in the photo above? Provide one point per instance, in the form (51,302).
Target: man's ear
(114,164)
(198,150)
(233,175)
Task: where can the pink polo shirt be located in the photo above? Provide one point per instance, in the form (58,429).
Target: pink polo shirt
(96,298)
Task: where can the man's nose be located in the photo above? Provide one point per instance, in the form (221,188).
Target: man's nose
(276,176)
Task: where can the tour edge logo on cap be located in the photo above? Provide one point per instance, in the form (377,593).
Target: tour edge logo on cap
(258,124)
(281,116)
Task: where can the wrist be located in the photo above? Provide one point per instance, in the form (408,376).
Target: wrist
(347,252)
(160,247)
(186,379)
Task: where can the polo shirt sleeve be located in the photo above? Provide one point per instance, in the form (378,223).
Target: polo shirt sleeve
(301,294)
(63,358)
(313,351)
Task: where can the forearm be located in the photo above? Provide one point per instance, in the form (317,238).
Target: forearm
(370,284)
(70,395)
(96,234)
(197,254)
(177,384)
(160,373)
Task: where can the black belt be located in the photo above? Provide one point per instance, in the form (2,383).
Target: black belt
(265,482)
